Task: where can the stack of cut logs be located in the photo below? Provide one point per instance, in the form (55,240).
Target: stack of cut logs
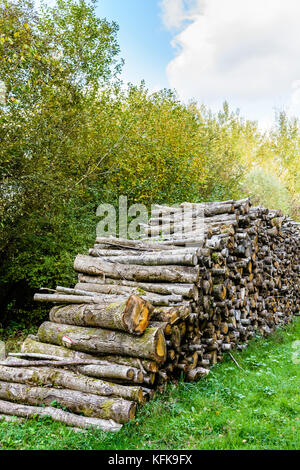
(202,280)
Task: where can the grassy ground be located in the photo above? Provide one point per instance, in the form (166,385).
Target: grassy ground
(254,408)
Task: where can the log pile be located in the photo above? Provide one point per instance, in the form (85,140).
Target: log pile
(202,280)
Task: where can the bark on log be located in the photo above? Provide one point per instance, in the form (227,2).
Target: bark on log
(69,380)
(131,316)
(188,259)
(112,286)
(94,266)
(97,251)
(132,244)
(33,346)
(70,419)
(113,372)
(195,374)
(170,315)
(150,297)
(90,405)
(95,340)
(78,299)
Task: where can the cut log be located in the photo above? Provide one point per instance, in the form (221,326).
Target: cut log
(67,379)
(150,297)
(132,244)
(194,374)
(94,266)
(113,286)
(33,346)
(188,259)
(91,298)
(170,315)
(112,372)
(131,316)
(70,419)
(95,340)
(90,405)
(97,251)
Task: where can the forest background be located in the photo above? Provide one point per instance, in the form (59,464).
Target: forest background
(73,136)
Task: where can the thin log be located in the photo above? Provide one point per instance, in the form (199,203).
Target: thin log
(132,244)
(113,286)
(150,297)
(78,299)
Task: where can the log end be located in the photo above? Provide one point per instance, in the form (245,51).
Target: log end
(137,315)
(161,348)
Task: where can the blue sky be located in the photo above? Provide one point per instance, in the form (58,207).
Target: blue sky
(245,52)
(144,40)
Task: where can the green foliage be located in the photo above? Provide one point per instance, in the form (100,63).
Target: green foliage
(267,190)
(253,408)
(52,64)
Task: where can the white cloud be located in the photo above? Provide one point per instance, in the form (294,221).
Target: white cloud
(176,12)
(244,51)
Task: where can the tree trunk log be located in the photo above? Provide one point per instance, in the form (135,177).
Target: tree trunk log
(25,411)
(97,251)
(114,286)
(32,346)
(150,297)
(195,374)
(91,298)
(90,405)
(95,340)
(69,380)
(133,244)
(188,259)
(131,316)
(94,266)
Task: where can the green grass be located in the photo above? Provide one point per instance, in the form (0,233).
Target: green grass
(254,408)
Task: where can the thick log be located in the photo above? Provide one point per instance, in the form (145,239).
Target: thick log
(90,405)
(131,316)
(67,379)
(184,259)
(97,251)
(70,419)
(94,266)
(31,345)
(95,340)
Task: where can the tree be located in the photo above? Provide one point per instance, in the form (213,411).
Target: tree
(53,62)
